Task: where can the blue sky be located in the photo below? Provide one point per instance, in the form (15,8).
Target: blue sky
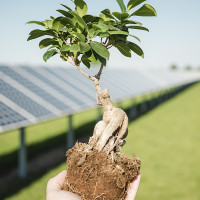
(173,37)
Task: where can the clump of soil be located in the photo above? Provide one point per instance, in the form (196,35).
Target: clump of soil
(94,175)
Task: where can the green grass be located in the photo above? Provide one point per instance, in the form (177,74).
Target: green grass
(167,141)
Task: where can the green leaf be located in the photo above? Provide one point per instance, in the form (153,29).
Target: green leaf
(121,5)
(135,48)
(80,36)
(101,59)
(74,48)
(46,42)
(85,61)
(103,18)
(68,8)
(39,33)
(120,16)
(53,47)
(91,32)
(48,23)
(107,13)
(103,34)
(67,21)
(91,56)
(64,29)
(49,54)
(104,27)
(118,33)
(131,22)
(79,19)
(84,47)
(65,48)
(57,24)
(124,49)
(133,3)
(36,22)
(146,11)
(89,18)
(65,13)
(139,28)
(60,42)
(81,7)
(100,49)
(122,33)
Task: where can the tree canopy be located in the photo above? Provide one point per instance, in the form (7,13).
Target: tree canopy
(83,38)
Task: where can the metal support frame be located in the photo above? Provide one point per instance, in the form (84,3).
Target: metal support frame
(22,155)
(70,134)
(133,111)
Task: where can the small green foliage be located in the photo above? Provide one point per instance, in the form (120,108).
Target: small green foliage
(123,48)
(49,54)
(100,49)
(121,5)
(136,49)
(81,7)
(145,10)
(85,38)
(133,4)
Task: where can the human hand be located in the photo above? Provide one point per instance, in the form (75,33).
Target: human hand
(133,188)
(55,189)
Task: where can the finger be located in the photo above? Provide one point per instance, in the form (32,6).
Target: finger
(56,183)
(133,188)
(65,195)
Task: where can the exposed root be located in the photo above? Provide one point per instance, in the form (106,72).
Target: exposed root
(112,128)
(100,196)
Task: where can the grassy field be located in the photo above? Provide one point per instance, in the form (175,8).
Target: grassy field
(167,141)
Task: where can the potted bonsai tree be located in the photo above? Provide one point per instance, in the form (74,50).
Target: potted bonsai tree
(96,170)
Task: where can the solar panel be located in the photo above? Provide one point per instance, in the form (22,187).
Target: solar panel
(33,94)
(9,116)
(39,72)
(22,100)
(77,80)
(17,75)
(71,86)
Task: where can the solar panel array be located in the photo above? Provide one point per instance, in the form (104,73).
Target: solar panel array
(33,94)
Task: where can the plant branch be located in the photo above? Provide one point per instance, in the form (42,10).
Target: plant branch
(106,40)
(98,75)
(66,58)
(95,78)
(109,46)
(65,41)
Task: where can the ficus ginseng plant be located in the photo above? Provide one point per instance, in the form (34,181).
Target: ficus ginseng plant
(80,38)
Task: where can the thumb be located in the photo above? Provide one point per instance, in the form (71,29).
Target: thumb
(56,183)
(133,188)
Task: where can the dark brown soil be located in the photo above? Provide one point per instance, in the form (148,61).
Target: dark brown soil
(95,176)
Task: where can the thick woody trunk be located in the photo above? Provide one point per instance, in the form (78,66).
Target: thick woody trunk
(109,133)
